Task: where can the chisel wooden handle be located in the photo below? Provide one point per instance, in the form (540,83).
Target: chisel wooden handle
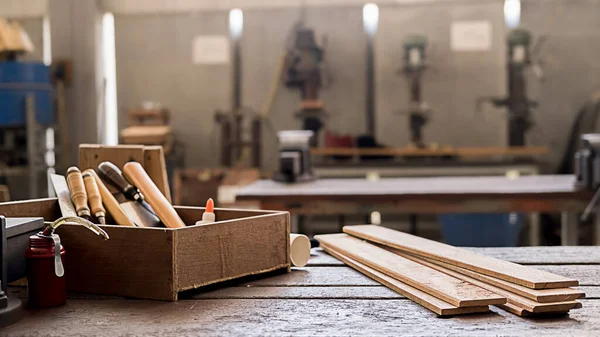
(111,173)
(135,173)
(94,198)
(77,190)
(109,201)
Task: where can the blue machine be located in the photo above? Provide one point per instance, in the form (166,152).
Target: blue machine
(19,79)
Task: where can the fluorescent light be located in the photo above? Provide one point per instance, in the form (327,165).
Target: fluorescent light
(46,41)
(110,123)
(512,13)
(370,18)
(236,23)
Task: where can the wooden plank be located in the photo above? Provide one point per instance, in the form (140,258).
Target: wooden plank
(525,276)
(156,167)
(316,277)
(419,152)
(513,309)
(556,255)
(514,299)
(318,292)
(267,317)
(422,298)
(543,255)
(440,285)
(90,155)
(542,187)
(541,295)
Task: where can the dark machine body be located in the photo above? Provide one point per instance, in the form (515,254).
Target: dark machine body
(304,71)
(413,69)
(518,104)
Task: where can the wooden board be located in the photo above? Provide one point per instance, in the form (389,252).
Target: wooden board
(525,276)
(513,309)
(542,188)
(90,155)
(428,301)
(538,295)
(514,299)
(270,317)
(442,152)
(440,285)
(156,167)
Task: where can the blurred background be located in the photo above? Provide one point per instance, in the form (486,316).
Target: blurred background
(421,87)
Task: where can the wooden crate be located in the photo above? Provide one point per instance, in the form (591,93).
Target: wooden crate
(158,263)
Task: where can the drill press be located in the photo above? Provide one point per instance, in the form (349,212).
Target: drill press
(413,69)
(519,106)
(304,70)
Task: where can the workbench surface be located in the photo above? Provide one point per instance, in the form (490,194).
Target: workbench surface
(325,298)
(410,188)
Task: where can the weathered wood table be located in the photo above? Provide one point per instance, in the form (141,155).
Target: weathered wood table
(325,298)
(526,194)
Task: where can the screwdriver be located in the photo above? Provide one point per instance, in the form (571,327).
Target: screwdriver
(111,173)
(78,193)
(94,197)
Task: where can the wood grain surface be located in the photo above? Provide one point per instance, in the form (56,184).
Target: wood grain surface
(525,276)
(539,295)
(512,298)
(422,298)
(156,167)
(440,285)
(542,186)
(329,300)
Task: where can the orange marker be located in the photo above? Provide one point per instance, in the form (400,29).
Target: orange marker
(209,213)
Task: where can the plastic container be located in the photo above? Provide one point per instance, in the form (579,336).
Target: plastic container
(17,81)
(482,230)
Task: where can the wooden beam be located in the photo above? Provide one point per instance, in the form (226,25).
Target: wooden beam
(443,152)
(422,298)
(440,285)
(513,299)
(538,295)
(508,271)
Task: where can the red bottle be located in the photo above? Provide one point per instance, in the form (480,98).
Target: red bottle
(45,288)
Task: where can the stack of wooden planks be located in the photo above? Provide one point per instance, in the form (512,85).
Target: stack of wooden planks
(449,280)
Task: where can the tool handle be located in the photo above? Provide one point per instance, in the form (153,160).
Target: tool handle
(113,175)
(77,190)
(136,174)
(94,198)
(110,202)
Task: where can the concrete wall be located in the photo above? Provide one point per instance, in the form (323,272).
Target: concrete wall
(154,63)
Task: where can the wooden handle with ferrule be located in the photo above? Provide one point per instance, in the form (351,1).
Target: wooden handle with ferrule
(77,190)
(109,201)
(135,173)
(94,198)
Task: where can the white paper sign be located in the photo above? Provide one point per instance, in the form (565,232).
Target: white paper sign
(471,36)
(210,49)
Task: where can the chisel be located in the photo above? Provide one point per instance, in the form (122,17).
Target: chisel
(136,174)
(111,173)
(110,202)
(94,197)
(77,190)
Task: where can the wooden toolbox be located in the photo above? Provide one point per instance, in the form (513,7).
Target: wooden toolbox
(158,263)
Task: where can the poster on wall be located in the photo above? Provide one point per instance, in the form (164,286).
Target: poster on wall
(471,36)
(211,50)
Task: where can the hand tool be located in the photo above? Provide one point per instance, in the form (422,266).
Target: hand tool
(94,197)
(110,202)
(62,193)
(111,173)
(135,174)
(77,190)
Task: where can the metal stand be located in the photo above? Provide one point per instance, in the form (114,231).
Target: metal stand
(11,309)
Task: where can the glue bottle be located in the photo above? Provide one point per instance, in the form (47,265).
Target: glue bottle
(209,213)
